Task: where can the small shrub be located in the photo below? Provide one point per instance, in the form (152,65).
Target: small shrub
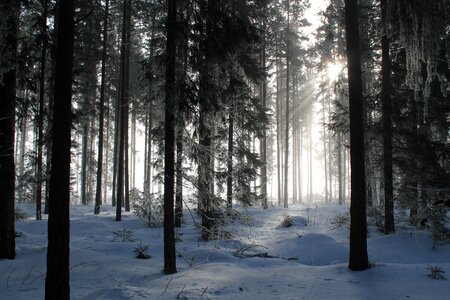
(436,272)
(339,220)
(125,235)
(287,221)
(148,207)
(141,251)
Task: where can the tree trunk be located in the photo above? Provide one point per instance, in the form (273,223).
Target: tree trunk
(325,166)
(389,225)
(23,149)
(286,137)
(358,259)
(179,182)
(169,141)
(57,278)
(148,126)
(7,122)
(340,165)
(84,158)
(40,118)
(230,162)
(278,122)
(123,105)
(98,192)
(263,142)
(310,152)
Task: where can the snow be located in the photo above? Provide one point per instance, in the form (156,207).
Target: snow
(259,259)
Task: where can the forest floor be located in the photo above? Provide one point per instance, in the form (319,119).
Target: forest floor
(255,258)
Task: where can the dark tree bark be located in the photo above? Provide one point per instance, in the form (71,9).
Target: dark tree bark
(57,279)
(169,142)
(40,118)
(98,192)
(7,119)
(230,162)
(123,107)
(358,259)
(115,151)
(389,225)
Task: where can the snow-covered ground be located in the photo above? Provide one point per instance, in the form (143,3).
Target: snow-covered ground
(256,259)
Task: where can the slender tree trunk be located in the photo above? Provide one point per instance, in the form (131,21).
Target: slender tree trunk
(84,159)
(389,225)
(325,162)
(127,152)
(98,192)
(179,181)
(123,105)
(40,119)
(106,149)
(23,149)
(116,151)
(133,145)
(230,162)
(286,137)
(7,122)
(340,164)
(278,122)
(263,142)
(358,259)
(310,154)
(300,157)
(169,141)
(57,278)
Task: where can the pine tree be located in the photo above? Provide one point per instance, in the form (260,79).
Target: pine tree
(98,193)
(358,228)
(9,27)
(57,278)
(169,141)
(387,124)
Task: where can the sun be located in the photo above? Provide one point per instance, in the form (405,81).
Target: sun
(334,69)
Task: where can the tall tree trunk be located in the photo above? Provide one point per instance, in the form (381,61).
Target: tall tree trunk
(7,121)
(106,149)
(116,147)
(278,122)
(40,119)
(263,142)
(389,225)
(325,162)
(133,144)
(98,191)
(51,101)
(286,137)
(57,279)
(148,125)
(310,154)
(230,161)
(123,105)
(169,141)
(299,162)
(127,152)
(358,259)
